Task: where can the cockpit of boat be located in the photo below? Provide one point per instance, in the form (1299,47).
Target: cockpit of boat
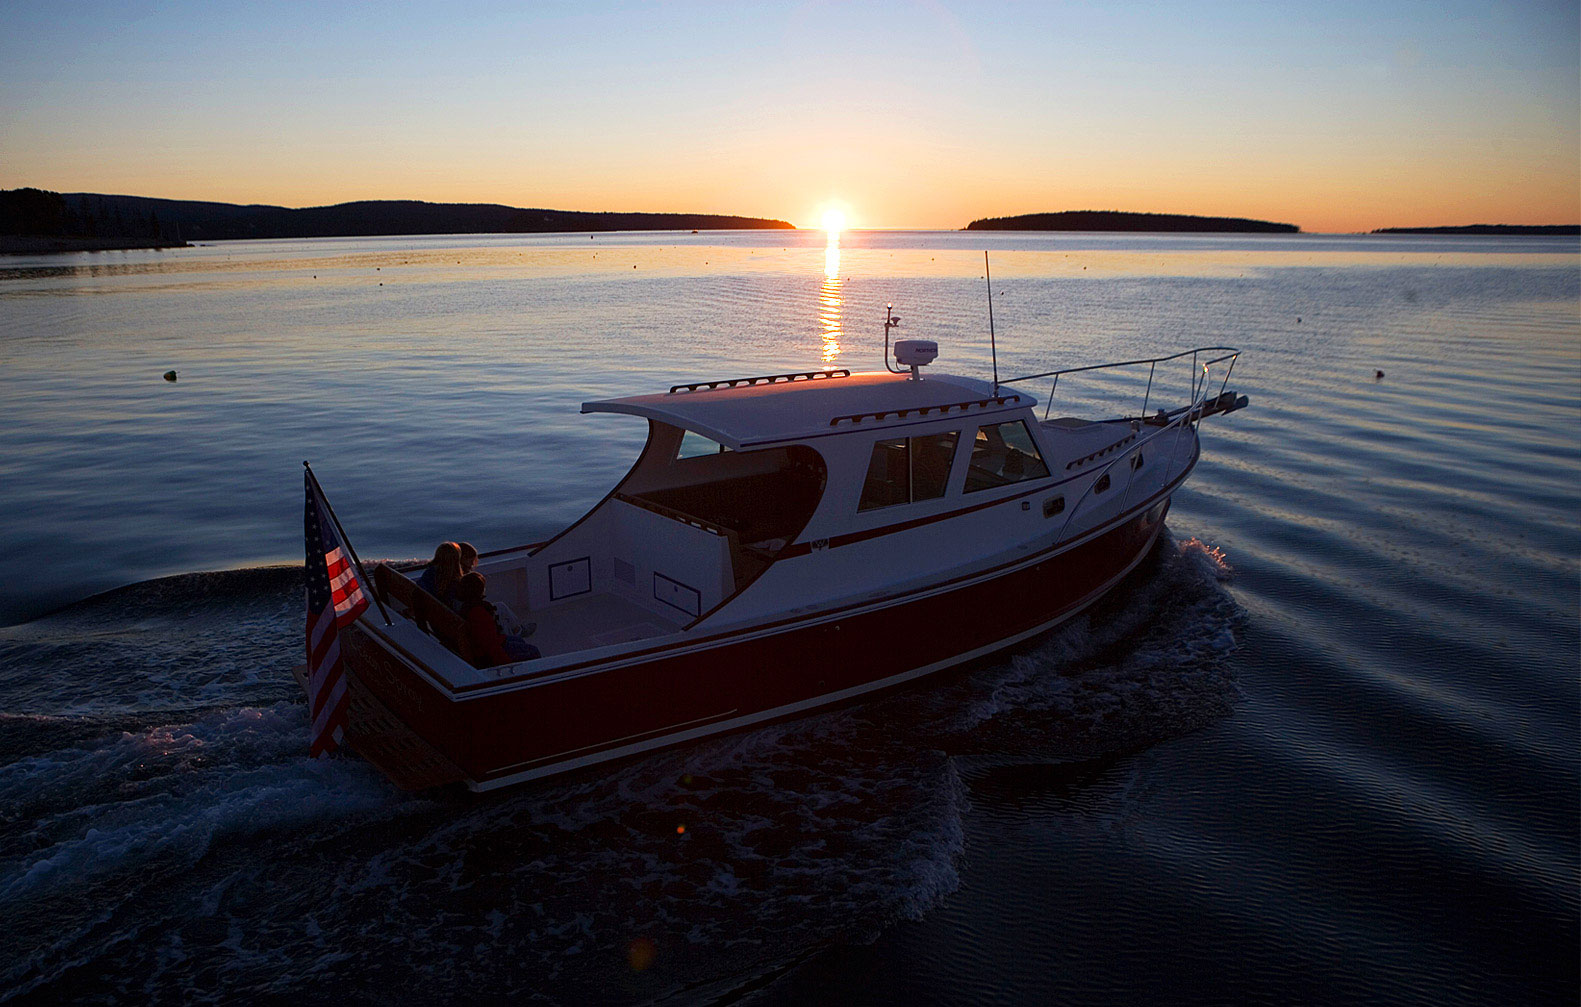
(758,501)
(690,526)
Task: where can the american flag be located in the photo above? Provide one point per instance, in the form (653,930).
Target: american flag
(334,601)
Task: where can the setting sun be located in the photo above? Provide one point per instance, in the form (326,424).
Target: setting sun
(834,219)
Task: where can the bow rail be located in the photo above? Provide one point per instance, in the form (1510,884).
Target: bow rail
(1201,374)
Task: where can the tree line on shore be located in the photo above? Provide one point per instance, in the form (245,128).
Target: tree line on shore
(93,215)
(37,212)
(1116,220)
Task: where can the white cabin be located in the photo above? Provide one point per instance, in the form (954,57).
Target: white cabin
(762,499)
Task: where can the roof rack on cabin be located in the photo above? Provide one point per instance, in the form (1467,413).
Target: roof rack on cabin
(766,379)
(997,400)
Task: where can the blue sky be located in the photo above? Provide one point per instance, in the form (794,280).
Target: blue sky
(1336,116)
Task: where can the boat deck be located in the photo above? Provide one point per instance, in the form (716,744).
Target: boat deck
(1077,440)
(594,620)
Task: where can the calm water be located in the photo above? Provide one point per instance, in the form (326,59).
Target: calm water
(1322,747)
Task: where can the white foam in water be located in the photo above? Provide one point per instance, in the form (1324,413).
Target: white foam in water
(1208,558)
(1176,625)
(171,791)
(175,643)
(790,834)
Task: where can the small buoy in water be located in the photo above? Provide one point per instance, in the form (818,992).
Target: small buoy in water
(1298,319)
(170,375)
(1378,376)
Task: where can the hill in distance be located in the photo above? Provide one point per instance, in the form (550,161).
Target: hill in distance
(1116,220)
(88,214)
(1549,230)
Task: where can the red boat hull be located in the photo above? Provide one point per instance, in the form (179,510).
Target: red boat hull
(564,720)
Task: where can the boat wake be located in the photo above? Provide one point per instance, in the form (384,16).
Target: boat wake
(162,825)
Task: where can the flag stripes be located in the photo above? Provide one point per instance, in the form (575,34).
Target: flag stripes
(335,600)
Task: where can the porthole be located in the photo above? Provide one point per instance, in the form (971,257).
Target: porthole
(1053,506)
(1102,485)
(1136,460)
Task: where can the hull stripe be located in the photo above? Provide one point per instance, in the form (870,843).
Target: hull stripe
(615,750)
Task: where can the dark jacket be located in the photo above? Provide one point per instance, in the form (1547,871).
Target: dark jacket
(484,635)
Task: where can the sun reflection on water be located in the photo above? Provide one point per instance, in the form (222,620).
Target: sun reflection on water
(830,300)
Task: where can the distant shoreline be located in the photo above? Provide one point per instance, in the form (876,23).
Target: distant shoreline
(39,220)
(202,221)
(1545,230)
(1117,220)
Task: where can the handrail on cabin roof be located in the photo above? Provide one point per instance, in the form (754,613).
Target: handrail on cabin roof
(942,410)
(770,379)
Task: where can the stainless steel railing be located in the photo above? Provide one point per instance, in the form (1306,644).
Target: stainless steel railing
(1198,371)
(1179,420)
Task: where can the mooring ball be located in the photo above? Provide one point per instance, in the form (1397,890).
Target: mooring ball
(170,375)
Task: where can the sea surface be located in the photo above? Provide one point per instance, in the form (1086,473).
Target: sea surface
(1321,748)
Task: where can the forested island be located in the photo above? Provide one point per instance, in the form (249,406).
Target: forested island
(1115,220)
(1550,230)
(105,221)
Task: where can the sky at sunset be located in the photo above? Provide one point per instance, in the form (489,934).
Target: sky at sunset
(1336,116)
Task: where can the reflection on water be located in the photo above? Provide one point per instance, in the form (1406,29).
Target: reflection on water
(1404,551)
(829,299)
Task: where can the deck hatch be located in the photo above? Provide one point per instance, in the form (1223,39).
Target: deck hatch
(571,578)
(677,595)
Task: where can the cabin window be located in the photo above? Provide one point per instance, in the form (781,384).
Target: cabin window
(888,482)
(695,445)
(1004,453)
(931,458)
(907,469)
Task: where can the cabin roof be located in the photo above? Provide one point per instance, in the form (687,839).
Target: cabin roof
(797,407)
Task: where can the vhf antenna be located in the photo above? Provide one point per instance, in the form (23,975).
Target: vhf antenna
(993,349)
(891,321)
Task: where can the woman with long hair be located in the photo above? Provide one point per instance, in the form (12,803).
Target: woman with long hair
(443,573)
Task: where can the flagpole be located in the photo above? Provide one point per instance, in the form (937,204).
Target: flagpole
(372,588)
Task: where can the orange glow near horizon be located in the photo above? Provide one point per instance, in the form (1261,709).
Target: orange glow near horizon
(1334,118)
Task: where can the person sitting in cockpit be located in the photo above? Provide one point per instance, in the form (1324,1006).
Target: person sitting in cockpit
(490,644)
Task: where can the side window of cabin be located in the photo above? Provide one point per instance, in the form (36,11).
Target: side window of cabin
(695,445)
(931,458)
(906,469)
(1003,453)
(887,479)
